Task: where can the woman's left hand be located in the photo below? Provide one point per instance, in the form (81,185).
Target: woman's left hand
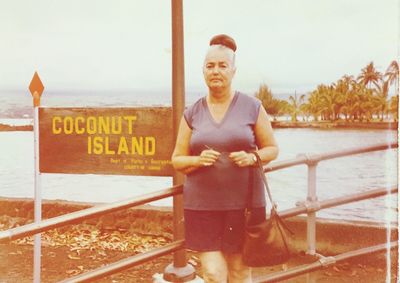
(242,158)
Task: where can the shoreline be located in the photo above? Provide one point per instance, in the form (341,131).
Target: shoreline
(275,125)
(10,128)
(336,125)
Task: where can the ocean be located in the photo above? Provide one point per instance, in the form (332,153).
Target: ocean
(335,177)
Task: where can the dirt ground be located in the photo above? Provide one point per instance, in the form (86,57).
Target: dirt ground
(77,249)
(16,262)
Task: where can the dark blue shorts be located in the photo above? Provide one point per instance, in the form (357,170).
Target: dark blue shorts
(217,230)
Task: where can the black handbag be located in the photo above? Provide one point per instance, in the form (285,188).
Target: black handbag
(265,243)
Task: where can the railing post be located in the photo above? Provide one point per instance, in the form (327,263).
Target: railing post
(311,203)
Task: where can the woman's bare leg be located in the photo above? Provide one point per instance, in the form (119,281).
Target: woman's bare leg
(214,267)
(238,272)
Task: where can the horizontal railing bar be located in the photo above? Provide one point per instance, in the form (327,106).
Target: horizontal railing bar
(357,197)
(77,216)
(126,263)
(342,153)
(287,213)
(274,166)
(367,250)
(306,268)
(340,201)
(315,158)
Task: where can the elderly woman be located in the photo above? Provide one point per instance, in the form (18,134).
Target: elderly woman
(218,139)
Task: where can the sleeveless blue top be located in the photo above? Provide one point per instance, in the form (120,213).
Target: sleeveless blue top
(224,185)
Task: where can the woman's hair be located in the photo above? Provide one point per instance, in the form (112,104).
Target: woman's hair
(225,40)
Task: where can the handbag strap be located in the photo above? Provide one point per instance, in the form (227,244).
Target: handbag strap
(260,169)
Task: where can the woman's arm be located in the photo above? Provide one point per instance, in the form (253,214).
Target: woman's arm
(267,146)
(181,158)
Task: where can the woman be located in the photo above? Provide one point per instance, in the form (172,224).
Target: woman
(215,147)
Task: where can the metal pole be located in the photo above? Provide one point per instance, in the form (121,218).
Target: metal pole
(311,200)
(178,75)
(38,192)
(178,104)
(179,271)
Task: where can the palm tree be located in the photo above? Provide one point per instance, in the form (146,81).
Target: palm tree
(369,75)
(295,105)
(283,107)
(343,88)
(331,102)
(357,99)
(348,79)
(381,99)
(394,107)
(267,99)
(314,104)
(392,75)
(367,105)
(348,97)
(352,101)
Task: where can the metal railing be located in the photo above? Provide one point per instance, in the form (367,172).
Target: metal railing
(310,206)
(322,263)
(77,216)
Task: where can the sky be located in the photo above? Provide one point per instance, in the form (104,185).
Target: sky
(97,45)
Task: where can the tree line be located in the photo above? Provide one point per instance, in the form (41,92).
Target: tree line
(350,98)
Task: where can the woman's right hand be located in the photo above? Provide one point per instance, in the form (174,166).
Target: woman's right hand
(208,157)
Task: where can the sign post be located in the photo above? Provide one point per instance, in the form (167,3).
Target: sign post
(36,88)
(119,141)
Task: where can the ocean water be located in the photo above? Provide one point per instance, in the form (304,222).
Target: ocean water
(18,104)
(335,177)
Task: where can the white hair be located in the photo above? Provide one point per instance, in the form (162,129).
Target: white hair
(223,47)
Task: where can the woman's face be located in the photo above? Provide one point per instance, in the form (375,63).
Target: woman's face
(219,68)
